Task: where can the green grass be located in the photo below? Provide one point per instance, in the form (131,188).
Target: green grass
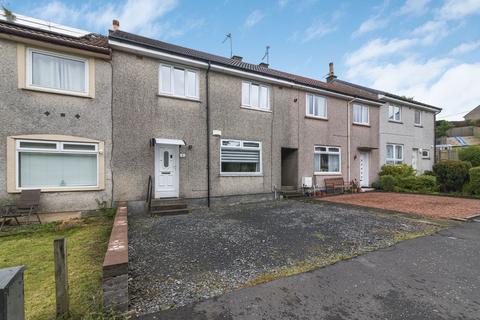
(32,246)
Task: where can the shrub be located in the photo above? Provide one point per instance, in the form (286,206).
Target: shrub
(428,173)
(451,175)
(470,154)
(388,182)
(417,183)
(397,170)
(474,186)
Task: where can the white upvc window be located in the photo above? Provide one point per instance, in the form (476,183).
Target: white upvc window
(56,164)
(178,82)
(394,154)
(360,114)
(57,72)
(255,96)
(327,160)
(240,157)
(394,113)
(316,106)
(425,154)
(418,118)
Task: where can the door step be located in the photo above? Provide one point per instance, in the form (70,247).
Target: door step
(168,207)
(294,194)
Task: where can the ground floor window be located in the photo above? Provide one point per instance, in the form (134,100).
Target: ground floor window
(327,159)
(394,154)
(241,157)
(56,164)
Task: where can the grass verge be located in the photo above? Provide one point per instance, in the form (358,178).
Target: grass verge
(32,246)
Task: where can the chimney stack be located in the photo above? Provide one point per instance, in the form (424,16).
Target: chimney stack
(237,58)
(115,25)
(331,73)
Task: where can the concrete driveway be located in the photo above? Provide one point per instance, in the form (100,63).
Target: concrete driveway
(430,278)
(179,260)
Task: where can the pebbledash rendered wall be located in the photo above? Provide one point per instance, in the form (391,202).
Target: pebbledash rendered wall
(140,114)
(407,134)
(24,112)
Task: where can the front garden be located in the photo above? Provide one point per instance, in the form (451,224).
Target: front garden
(453,177)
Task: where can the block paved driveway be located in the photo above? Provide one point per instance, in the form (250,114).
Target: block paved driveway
(425,205)
(430,278)
(176,261)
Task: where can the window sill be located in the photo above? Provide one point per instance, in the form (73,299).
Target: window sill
(316,118)
(327,173)
(163,95)
(256,109)
(59,92)
(395,121)
(241,175)
(73,189)
(418,125)
(361,124)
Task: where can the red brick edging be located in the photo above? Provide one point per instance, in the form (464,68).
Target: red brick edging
(115,265)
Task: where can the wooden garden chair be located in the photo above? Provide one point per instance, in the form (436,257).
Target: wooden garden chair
(26,205)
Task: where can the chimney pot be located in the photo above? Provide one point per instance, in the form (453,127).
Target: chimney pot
(237,58)
(263,64)
(115,25)
(331,73)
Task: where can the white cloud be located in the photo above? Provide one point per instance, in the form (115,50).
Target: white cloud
(146,17)
(378,48)
(282,3)
(253,18)
(465,48)
(371,24)
(414,7)
(317,30)
(457,9)
(432,31)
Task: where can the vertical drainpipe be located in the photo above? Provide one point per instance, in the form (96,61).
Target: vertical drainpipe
(435,138)
(349,152)
(207,102)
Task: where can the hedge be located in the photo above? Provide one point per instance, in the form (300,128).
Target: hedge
(474,186)
(408,183)
(397,170)
(470,154)
(451,175)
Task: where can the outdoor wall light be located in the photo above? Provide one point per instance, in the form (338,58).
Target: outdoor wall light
(295,100)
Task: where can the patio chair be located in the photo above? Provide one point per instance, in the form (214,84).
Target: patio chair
(26,205)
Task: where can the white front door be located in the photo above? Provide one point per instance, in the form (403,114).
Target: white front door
(414,158)
(364,169)
(166,171)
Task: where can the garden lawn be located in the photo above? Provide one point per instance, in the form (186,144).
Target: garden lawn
(32,246)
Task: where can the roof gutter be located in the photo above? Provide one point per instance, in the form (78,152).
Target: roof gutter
(416,105)
(217,67)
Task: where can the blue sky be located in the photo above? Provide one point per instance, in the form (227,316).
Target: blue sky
(426,49)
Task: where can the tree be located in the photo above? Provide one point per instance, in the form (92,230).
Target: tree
(441,128)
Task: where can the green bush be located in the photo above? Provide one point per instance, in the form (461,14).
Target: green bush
(428,173)
(470,154)
(388,182)
(417,183)
(451,175)
(397,170)
(474,186)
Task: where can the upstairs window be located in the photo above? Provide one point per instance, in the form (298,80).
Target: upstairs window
(57,72)
(394,154)
(360,114)
(418,118)
(255,96)
(241,157)
(178,82)
(316,106)
(394,113)
(327,159)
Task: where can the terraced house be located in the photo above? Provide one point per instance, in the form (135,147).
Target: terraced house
(181,123)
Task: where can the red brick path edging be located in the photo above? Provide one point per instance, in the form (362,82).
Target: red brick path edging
(115,265)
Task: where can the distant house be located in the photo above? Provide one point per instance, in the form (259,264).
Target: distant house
(473,115)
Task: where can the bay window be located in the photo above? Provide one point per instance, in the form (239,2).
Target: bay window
(327,159)
(360,114)
(394,154)
(56,164)
(255,96)
(241,157)
(57,72)
(316,106)
(178,82)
